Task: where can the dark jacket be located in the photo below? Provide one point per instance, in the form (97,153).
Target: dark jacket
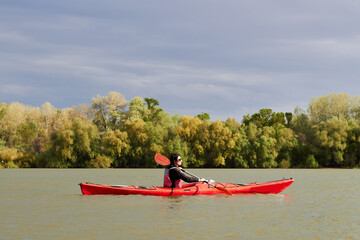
(176,174)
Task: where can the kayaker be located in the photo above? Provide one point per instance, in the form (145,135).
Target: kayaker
(174,176)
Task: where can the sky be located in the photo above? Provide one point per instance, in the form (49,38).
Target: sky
(226,58)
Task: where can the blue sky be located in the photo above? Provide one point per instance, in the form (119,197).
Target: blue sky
(227,58)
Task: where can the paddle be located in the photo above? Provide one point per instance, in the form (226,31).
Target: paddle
(162,160)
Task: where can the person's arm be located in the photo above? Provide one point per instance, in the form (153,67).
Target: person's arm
(177,173)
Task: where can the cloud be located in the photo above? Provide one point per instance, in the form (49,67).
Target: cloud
(327,47)
(13,89)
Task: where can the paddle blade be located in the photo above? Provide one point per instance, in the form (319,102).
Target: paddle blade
(224,190)
(162,160)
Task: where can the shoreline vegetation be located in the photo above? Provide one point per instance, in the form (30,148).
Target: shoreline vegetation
(114,133)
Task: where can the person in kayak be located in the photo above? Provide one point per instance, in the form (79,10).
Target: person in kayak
(174,176)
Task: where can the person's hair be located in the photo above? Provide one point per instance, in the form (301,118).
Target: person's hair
(173,158)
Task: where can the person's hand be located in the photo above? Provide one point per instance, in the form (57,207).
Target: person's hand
(202,180)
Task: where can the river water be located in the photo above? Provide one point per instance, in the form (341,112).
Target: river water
(48,204)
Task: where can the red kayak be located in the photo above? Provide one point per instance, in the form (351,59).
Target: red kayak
(189,189)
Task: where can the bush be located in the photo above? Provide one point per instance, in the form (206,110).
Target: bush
(8,156)
(311,162)
(285,163)
(101,162)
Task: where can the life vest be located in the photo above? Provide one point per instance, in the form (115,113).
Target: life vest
(167,180)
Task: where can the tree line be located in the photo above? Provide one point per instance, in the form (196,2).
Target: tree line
(112,132)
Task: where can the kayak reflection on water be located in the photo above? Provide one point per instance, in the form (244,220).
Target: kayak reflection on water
(174,176)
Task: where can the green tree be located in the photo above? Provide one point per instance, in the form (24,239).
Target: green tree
(207,144)
(116,145)
(221,144)
(204,116)
(262,148)
(61,154)
(108,110)
(303,149)
(85,141)
(154,111)
(266,150)
(27,133)
(3,110)
(285,143)
(73,146)
(331,141)
(137,109)
(194,148)
(288,118)
(266,117)
(324,108)
(138,139)
(173,143)
(352,152)
(243,154)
